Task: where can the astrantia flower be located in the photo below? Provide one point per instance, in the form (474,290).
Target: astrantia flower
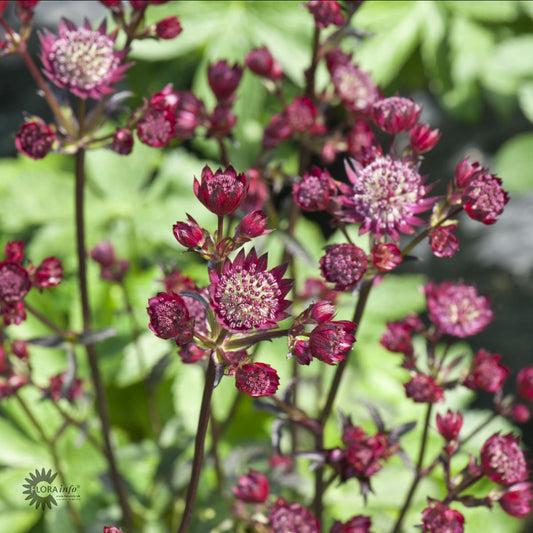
(224,79)
(252,488)
(423,389)
(14,282)
(35,138)
(344,265)
(516,500)
(81,59)
(486,373)
(331,341)
(484,198)
(156,127)
(503,461)
(439,518)
(325,12)
(246,296)
(386,256)
(443,242)
(169,317)
(395,114)
(285,517)
(450,424)
(315,190)
(257,379)
(457,310)
(524,383)
(387,194)
(122,141)
(261,62)
(357,524)
(422,138)
(49,273)
(221,192)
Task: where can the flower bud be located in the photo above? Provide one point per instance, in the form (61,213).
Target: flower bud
(260,61)
(49,273)
(252,225)
(122,141)
(252,488)
(189,234)
(224,79)
(14,251)
(449,425)
(395,114)
(422,138)
(168,28)
(386,256)
(35,139)
(443,242)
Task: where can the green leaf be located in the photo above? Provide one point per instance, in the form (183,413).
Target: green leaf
(18,450)
(513,163)
(385,52)
(486,11)
(525,98)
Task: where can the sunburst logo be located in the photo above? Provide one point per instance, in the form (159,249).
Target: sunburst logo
(39,488)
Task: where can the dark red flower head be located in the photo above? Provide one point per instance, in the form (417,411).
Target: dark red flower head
(224,79)
(486,372)
(439,518)
(257,379)
(156,126)
(443,242)
(261,62)
(325,12)
(386,256)
(357,524)
(422,138)
(450,424)
(503,461)
(331,341)
(122,141)
(484,198)
(189,234)
(285,517)
(49,273)
(168,28)
(301,114)
(14,282)
(14,251)
(344,264)
(516,500)
(252,488)
(247,296)
(315,190)
(169,318)
(423,389)
(103,253)
(221,192)
(524,383)
(35,138)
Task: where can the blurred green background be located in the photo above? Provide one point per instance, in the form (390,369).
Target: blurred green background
(468,63)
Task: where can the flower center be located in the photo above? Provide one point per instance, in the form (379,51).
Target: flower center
(247,299)
(83,58)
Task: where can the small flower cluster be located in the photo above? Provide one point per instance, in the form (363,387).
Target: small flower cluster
(16,280)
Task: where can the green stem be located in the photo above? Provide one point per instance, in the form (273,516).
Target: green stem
(203,421)
(51,444)
(418,472)
(101,402)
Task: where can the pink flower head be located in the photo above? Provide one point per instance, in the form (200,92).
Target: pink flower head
(252,488)
(122,141)
(524,383)
(261,62)
(386,196)
(221,192)
(189,234)
(422,138)
(224,79)
(301,114)
(20,349)
(439,518)
(486,372)
(484,198)
(325,12)
(386,256)
(14,251)
(82,60)
(167,98)
(56,388)
(356,524)
(423,389)
(169,318)
(285,517)
(443,242)
(359,137)
(12,312)
(457,310)
(331,341)
(112,529)
(14,282)
(516,500)
(520,413)
(247,296)
(315,190)
(35,138)
(257,379)
(503,461)
(49,273)
(352,85)
(156,126)
(168,28)
(450,424)
(344,265)
(395,114)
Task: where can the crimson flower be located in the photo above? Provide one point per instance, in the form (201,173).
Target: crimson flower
(252,488)
(503,461)
(524,383)
(423,389)
(257,379)
(325,12)
(438,517)
(443,242)
(315,190)
(247,296)
(35,138)
(169,318)
(516,500)
(484,198)
(356,524)
(450,424)
(395,114)
(285,517)
(221,192)
(14,282)
(486,372)
(344,264)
